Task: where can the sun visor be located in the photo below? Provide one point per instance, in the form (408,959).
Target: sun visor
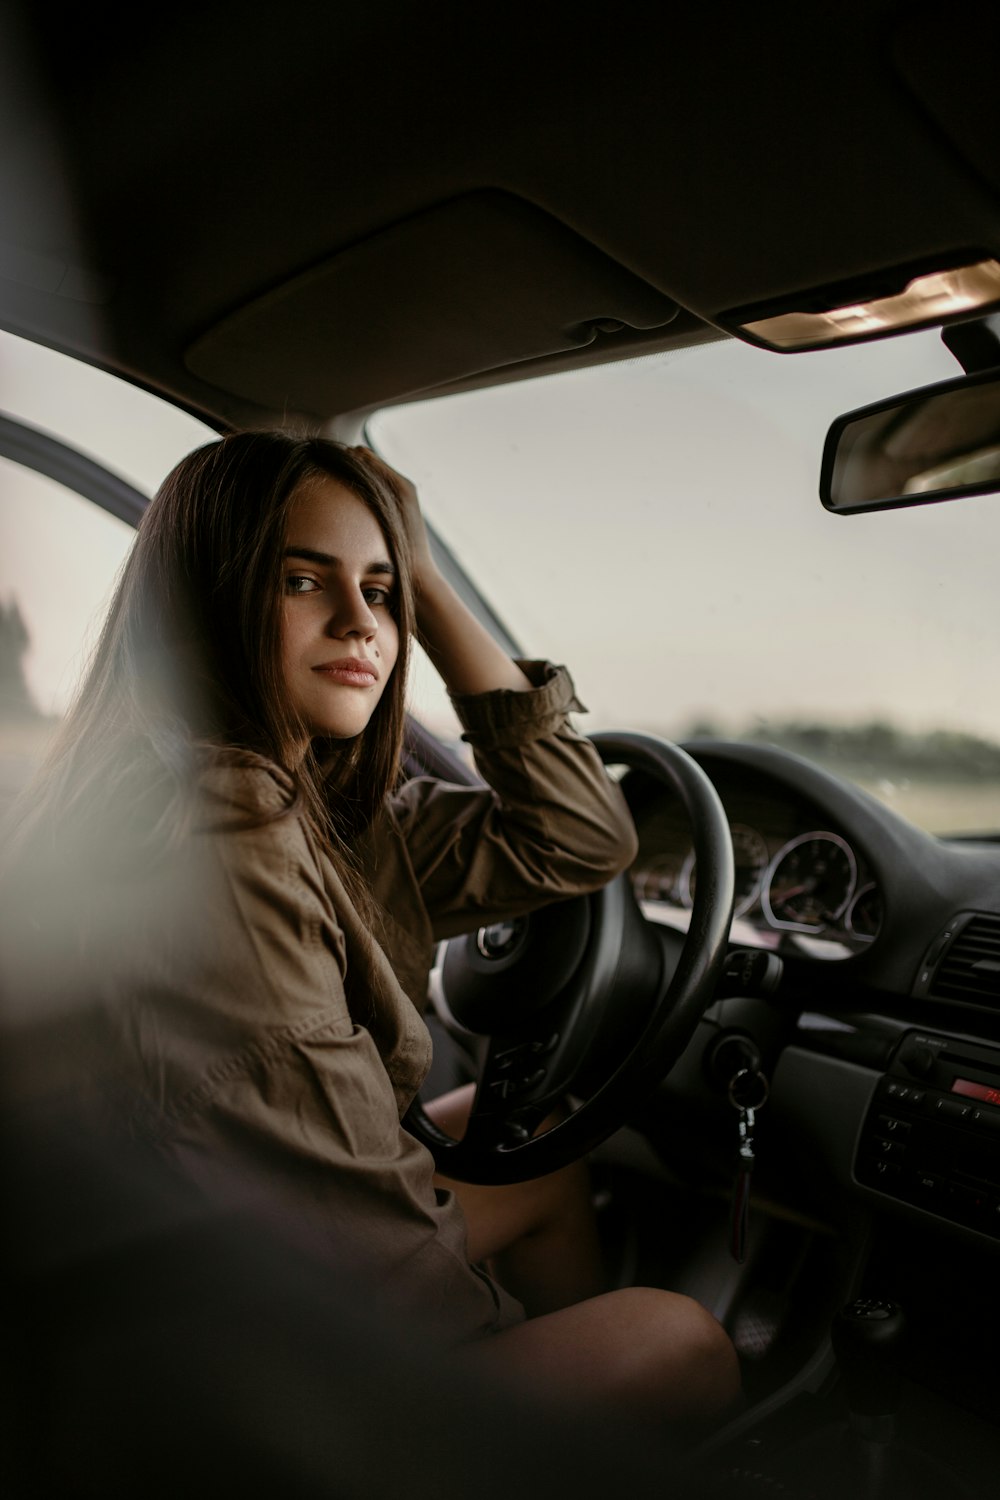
(956,81)
(477,283)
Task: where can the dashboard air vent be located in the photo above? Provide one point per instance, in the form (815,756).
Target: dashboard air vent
(969,969)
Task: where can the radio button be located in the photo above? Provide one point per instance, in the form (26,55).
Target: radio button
(954,1108)
(888,1171)
(890,1123)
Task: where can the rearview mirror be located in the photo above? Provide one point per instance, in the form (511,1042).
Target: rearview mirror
(937,443)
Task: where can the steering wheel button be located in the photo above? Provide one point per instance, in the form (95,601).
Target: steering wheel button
(528,1081)
(549,1044)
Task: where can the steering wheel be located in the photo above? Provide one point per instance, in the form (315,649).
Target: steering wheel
(584,997)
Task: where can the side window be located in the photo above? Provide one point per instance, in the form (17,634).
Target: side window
(59,558)
(428,701)
(60,553)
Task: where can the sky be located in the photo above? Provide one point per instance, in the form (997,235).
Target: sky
(655,524)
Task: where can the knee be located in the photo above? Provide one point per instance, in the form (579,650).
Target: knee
(713,1364)
(693,1369)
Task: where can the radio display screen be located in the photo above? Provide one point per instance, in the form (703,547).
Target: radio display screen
(972,1090)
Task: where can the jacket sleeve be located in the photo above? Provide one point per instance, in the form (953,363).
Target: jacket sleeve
(549,824)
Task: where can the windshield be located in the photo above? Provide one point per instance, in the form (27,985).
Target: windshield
(656,525)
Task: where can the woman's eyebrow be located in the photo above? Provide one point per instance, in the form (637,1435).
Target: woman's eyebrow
(327,560)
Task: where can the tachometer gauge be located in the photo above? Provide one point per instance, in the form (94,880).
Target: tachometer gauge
(750,859)
(809,882)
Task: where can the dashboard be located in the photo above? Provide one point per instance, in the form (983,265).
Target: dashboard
(824,872)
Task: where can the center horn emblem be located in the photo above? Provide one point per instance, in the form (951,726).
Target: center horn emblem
(501,938)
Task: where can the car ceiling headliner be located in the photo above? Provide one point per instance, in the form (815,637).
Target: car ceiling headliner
(291,211)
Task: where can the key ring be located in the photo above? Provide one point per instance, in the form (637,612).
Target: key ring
(763,1089)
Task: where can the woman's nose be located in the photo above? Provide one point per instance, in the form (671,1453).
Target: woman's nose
(352,615)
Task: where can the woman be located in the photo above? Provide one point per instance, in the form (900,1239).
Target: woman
(218,860)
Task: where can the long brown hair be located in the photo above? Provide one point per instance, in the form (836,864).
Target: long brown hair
(187,666)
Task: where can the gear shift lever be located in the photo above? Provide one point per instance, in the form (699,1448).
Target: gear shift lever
(862,1458)
(866,1340)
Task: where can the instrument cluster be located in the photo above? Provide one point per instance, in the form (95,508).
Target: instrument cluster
(798,884)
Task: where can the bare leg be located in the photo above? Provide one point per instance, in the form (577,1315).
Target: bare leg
(647,1355)
(641,1353)
(539,1237)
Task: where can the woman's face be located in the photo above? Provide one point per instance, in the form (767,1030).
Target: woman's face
(339,637)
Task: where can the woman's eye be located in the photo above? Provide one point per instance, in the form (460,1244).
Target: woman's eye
(300,583)
(375,594)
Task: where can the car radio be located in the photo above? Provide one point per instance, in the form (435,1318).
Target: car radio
(931,1137)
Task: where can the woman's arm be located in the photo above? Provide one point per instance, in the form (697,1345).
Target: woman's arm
(467,657)
(550,822)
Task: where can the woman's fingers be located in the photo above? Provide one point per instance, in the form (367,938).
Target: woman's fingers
(409,505)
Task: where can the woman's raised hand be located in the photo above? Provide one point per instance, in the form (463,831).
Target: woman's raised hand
(461,648)
(422,562)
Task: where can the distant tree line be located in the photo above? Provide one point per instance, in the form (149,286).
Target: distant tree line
(16,701)
(874,748)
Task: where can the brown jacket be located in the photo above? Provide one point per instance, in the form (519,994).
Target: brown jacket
(269,1046)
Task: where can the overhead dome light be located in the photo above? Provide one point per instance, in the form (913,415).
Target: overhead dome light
(930,298)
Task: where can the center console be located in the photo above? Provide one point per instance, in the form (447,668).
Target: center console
(931,1137)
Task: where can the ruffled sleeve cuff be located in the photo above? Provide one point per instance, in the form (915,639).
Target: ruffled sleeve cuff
(506,717)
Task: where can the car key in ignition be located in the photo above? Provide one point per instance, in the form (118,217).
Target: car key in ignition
(748,1091)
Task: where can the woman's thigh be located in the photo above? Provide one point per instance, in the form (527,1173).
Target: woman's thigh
(645,1354)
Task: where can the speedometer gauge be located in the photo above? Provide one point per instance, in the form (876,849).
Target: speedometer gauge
(809,882)
(750,860)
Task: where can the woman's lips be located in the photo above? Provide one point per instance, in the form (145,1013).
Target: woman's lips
(351,672)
